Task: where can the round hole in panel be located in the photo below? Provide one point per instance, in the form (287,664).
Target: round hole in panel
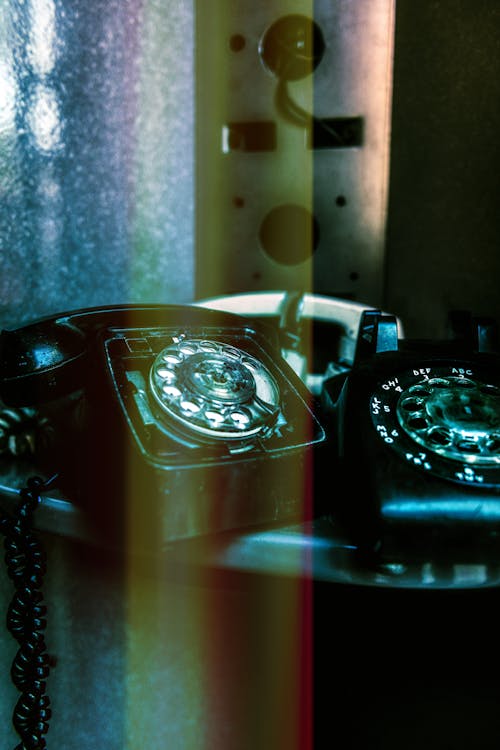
(292,47)
(289,234)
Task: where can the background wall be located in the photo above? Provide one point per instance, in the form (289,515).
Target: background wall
(97,159)
(96,154)
(443,234)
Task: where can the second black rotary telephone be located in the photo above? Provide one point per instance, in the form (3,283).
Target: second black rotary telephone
(417,432)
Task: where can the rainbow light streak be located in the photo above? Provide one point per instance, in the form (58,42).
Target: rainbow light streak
(163,131)
(218,665)
(220,668)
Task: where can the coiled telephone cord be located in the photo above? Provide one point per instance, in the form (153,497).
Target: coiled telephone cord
(23,431)
(26,565)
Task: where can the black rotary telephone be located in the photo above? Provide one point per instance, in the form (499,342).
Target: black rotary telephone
(191,414)
(162,423)
(417,425)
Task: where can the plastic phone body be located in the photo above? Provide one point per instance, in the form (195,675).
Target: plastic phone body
(417,425)
(169,421)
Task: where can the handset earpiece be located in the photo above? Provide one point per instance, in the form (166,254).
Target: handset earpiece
(48,359)
(41,362)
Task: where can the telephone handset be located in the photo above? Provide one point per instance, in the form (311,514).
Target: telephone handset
(317,333)
(167,421)
(418,431)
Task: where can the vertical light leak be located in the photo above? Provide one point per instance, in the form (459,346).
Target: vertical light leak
(259,677)
(252,206)
(163,202)
(43,116)
(262,676)
(165,661)
(44,119)
(166,615)
(42,37)
(8,85)
(8,96)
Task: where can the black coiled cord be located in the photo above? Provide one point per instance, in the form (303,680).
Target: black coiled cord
(26,565)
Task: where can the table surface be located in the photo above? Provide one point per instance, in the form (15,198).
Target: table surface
(316,550)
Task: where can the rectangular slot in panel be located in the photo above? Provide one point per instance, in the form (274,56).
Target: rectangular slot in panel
(248,136)
(336,132)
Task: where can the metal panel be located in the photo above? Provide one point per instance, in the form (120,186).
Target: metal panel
(345,188)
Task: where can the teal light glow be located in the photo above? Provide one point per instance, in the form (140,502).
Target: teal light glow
(463,509)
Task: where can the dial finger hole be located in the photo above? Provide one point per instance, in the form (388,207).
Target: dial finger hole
(468,446)
(214,416)
(490,390)
(439,436)
(241,419)
(492,445)
(417,423)
(439,383)
(464,383)
(188,348)
(190,407)
(251,364)
(171,391)
(412,404)
(208,346)
(165,374)
(231,351)
(171,358)
(418,391)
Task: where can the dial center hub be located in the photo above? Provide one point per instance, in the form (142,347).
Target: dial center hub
(216,377)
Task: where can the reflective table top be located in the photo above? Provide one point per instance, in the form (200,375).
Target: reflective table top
(315,550)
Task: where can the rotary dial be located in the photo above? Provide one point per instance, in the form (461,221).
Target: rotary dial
(451,416)
(456,417)
(215,390)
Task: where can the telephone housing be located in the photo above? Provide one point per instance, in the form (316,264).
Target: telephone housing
(169,421)
(417,424)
